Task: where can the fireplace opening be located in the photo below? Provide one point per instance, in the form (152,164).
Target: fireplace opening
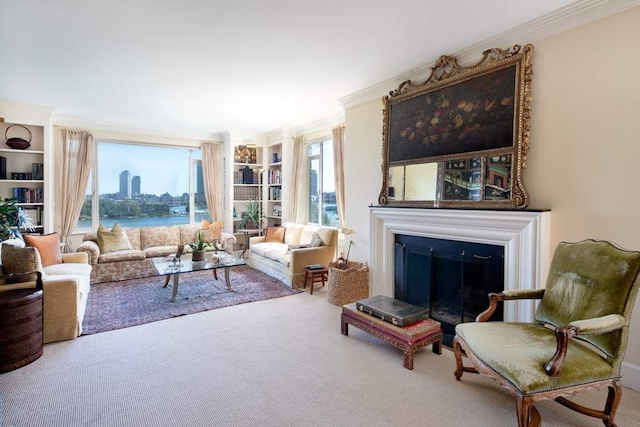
(450,278)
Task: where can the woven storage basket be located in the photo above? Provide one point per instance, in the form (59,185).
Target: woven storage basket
(348,285)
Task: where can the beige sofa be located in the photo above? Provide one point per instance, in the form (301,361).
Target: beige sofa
(285,262)
(65,292)
(146,243)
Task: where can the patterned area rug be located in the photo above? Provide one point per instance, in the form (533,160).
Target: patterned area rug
(116,305)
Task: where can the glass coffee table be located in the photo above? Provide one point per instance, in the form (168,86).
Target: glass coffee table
(168,266)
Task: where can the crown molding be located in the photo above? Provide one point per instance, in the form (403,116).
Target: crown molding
(561,20)
(320,125)
(129,132)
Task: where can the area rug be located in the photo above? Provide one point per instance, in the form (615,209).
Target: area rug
(116,305)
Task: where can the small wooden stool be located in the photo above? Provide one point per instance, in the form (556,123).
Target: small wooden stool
(313,276)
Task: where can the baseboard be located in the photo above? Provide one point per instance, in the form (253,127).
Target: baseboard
(631,376)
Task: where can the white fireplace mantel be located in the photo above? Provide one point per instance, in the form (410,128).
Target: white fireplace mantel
(524,235)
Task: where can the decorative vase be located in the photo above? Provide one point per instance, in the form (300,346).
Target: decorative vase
(198,256)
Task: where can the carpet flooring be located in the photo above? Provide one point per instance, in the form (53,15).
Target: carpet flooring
(276,363)
(116,305)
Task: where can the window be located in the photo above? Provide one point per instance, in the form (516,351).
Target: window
(141,185)
(322,206)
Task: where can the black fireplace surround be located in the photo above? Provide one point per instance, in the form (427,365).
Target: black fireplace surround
(450,278)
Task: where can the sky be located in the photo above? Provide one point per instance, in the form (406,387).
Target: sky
(160,169)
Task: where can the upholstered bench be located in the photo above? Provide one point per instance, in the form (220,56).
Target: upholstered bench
(408,339)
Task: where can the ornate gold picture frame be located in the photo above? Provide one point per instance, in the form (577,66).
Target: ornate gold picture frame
(460,138)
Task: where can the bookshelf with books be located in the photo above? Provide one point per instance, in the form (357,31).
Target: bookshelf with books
(22,170)
(247,183)
(273,208)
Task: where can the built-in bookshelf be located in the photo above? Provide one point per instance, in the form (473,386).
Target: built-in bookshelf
(247,178)
(273,207)
(22,171)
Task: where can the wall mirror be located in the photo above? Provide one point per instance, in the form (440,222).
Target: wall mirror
(460,139)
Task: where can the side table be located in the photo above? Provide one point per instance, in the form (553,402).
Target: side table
(248,232)
(21,336)
(313,276)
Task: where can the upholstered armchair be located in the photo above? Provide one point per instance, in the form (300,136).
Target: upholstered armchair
(578,339)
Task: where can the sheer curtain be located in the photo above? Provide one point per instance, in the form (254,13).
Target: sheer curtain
(297,170)
(77,155)
(212,177)
(338,170)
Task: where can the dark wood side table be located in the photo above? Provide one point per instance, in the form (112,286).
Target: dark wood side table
(21,335)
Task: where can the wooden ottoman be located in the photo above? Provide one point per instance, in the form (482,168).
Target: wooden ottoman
(408,339)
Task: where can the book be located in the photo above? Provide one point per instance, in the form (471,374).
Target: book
(411,333)
(315,266)
(391,310)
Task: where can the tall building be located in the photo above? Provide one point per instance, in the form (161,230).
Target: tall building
(135,186)
(199,184)
(125,185)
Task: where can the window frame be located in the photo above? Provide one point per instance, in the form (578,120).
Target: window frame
(328,139)
(195,158)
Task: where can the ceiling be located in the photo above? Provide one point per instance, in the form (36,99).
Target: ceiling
(210,66)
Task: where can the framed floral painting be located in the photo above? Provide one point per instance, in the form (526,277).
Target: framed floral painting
(460,118)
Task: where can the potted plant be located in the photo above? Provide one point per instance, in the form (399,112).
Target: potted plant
(251,218)
(12,220)
(199,247)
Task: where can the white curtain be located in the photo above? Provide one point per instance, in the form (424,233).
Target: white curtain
(77,155)
(338,170)
(297,170)
(213,180)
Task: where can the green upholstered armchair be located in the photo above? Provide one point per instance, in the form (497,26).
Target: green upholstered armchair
(578,340)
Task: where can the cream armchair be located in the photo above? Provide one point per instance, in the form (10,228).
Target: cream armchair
(65,292)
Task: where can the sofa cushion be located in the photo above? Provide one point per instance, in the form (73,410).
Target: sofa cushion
(160,236)
(189,233)
(275,234)
(48,246)
(133,233)
(307,233)
(274,251)
(292,233)
(114,240)
(130,255)
(67,268)
(158,251)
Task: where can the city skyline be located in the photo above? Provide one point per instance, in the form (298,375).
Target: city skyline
(160,170)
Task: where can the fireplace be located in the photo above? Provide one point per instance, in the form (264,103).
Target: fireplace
(450,278)
(521,236)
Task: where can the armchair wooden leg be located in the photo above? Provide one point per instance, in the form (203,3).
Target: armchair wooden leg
(613,400)
(528,416)
(457,352)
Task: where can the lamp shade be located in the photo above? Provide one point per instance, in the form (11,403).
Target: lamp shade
(345,230)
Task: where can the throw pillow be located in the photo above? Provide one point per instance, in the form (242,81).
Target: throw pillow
(20,260)
(275,234)
(315,241)
(114,240)
(211,230)
(48,246)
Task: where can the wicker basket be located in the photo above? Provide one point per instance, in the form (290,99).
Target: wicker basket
(348,285)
